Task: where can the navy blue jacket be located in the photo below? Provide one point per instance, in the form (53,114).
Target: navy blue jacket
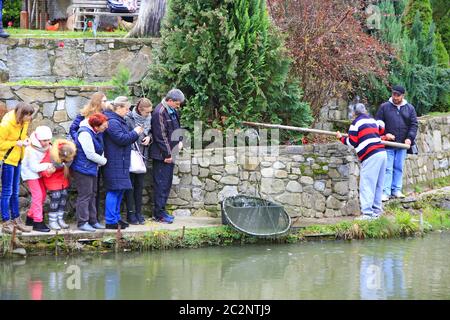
(117,140)
(82,164)
(73,130)
(163,125)
(401,123)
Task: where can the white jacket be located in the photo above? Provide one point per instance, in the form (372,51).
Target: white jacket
(31,163)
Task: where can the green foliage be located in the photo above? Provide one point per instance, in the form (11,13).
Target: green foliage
(441,16)
(11,12)
(421,7)
(120,83)
(229,62)
(415,63)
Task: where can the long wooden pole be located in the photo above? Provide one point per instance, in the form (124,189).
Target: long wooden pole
(317,131)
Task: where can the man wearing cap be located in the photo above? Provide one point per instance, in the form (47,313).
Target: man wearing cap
(165,120)
(401,125)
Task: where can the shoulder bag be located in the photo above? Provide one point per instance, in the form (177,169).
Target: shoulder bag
(137,163)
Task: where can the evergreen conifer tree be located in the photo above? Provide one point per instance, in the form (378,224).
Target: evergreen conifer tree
(230,63)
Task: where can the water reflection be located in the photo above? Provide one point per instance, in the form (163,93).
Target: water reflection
(382,269)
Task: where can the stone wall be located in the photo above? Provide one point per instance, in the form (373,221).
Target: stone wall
(312,180)
(87,59)
(432,162)
(55,107)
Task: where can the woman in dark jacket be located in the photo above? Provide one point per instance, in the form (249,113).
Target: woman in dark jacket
(116,175)
(139,116)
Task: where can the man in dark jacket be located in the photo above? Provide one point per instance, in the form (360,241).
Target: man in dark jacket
(165,121)
(400,120)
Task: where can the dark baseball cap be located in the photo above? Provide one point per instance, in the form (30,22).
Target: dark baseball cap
(398,89)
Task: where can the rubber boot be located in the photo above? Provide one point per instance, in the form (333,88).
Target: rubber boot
(61,221)
(53,221)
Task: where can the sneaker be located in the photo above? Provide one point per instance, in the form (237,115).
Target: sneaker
(3,34)
(163,220)
(87,227)
(112,226)
(8,227)
(365,217)
(385,197)
(140,218)
(21,226)
(97,226)
(168,216)
(40,226)
(399,195)
(132,218)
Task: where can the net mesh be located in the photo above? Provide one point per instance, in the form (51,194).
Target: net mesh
(255,216)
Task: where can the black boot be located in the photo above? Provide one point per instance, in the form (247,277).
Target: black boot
(112,226)
(123,224)
(3,34)
(131,218)
(29,221)
(40,226)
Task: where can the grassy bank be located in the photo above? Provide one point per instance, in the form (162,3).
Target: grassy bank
(28,33)
(396,223)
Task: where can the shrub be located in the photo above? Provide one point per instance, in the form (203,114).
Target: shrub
(230,63)
(11,12)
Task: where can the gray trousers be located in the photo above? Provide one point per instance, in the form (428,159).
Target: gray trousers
(371,183)
(87,192)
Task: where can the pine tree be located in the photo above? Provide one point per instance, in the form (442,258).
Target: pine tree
(424,10)
(414,64)
(230,63)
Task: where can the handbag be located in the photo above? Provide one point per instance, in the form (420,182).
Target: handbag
(137,164)
(117,6)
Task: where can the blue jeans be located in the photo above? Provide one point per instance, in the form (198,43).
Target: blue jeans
(371,183)
(112,206)
(393,180)
(1,14)
(162,182)
(10,191)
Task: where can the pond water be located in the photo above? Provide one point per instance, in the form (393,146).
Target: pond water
(413,268)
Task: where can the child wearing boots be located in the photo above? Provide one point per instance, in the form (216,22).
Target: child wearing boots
(56,180)
(32,165)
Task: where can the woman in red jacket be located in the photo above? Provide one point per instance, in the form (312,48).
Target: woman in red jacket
(56,180)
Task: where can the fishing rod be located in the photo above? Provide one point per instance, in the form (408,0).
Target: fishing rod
(317,131)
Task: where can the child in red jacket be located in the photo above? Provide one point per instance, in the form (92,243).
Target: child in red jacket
(56,180)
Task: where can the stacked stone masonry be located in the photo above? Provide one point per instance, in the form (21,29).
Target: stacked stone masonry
(90,60)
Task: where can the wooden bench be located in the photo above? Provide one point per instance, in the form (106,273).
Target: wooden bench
(82,9)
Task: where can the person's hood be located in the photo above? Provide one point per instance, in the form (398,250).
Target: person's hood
(36,143)
(404,102)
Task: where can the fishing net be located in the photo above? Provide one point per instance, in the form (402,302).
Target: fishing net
(255,216)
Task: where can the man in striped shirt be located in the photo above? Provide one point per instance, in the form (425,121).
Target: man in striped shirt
(364,136)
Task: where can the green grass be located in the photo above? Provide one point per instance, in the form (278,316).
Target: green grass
(66,82)
(437,114)
(28,33)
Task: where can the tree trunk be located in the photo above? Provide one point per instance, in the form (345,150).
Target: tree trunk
(148,24)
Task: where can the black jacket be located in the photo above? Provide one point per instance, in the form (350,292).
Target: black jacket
(163,126)
(401,123)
